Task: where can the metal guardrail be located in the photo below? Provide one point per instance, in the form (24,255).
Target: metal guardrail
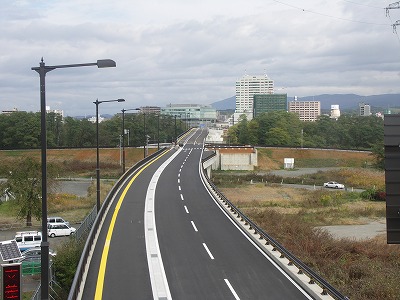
(75,287)
(293,260)
(52,295)
(86,224)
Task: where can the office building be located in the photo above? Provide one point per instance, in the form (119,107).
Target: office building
(194,114)
(335,111)
(264,103)
(364,109)
(306,110)
(246,88)
(150,109)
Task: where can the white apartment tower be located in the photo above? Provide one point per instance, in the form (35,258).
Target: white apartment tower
(246,88)
(365,109)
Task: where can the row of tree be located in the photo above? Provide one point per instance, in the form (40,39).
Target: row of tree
(21,130)
(280,128)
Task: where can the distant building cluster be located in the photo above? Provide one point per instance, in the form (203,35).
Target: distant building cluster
(255,95)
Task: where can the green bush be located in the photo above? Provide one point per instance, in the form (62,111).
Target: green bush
(374,194)
(66,262)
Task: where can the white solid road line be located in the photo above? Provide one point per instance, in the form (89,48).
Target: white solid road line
(158,278)
(232,289)
(208,251)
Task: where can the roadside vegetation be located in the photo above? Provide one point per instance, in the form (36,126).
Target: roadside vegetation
(360,269)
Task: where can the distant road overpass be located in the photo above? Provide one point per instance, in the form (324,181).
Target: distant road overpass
(165,237)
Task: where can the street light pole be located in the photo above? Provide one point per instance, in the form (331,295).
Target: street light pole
(43,70)
(175,130)
(123,137)
(145,136)
(97,102)
(158,132)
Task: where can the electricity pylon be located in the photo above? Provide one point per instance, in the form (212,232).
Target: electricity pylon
(395,5)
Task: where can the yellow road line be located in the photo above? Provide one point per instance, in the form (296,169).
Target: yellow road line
(104,256)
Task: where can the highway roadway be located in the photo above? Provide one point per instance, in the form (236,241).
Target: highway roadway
(165,237)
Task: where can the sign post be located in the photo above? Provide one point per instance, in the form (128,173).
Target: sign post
(11,287)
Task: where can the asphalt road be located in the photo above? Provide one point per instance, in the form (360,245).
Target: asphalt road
(165,237)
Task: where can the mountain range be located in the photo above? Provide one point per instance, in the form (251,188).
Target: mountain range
(345,101)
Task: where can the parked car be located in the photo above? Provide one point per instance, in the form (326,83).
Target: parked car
(59,229)
(334,185)
(53,220)
(28,239)
(34,254)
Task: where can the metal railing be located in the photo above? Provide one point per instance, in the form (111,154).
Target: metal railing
(76,284)
(327,289)
(86,224)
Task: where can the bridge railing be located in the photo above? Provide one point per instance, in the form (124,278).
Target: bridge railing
(327,289)
(76,284)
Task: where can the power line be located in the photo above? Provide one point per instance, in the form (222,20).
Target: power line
(362,4)
(329,16)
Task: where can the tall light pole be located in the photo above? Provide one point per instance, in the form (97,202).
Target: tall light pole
(43,70)
(158,132)
(145,136)
(175,129)
(97,102)
(123,137)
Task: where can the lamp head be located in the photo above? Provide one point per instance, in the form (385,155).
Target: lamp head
(106,63)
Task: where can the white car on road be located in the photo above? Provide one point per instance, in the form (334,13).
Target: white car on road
(334,185)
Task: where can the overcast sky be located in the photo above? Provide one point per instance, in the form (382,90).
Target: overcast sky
(186,51)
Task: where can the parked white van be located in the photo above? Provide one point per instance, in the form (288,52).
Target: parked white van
(28,239)
(53,220)
(59,229)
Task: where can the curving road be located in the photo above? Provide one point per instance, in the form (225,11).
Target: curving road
(164,237)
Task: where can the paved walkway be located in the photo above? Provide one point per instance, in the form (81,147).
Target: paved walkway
(358,232)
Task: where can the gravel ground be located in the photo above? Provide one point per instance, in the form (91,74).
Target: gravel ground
(299,172)
(358,232)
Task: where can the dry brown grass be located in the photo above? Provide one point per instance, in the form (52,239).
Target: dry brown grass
(272,158)
(317,207)
(359,269)
(79,162)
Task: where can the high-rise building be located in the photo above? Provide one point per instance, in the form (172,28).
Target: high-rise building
(307,110)
(264,103)
(365,109)
(335,111)
(246,88)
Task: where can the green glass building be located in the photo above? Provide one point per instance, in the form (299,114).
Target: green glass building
(264,103)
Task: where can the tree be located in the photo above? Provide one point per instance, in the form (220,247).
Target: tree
(378,151)
(25,183)
(277,137)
